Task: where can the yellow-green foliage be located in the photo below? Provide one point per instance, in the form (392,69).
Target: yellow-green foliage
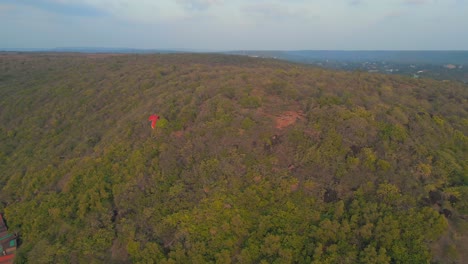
(346,178)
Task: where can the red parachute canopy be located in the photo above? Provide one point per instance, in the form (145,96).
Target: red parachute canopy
(153,118)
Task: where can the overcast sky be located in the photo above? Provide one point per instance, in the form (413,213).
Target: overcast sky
(236,24)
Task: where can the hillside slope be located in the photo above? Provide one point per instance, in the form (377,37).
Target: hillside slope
(253,160)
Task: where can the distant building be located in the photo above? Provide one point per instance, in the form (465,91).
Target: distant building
(7,244)
(450,66)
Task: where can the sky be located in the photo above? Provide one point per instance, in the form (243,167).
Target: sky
(236,24)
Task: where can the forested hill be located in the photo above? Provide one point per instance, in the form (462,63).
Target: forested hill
(252,161)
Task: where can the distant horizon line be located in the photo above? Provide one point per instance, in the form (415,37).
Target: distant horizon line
(84,49)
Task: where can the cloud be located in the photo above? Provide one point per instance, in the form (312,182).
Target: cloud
(416,2)
(6,8)
(66,7)
(198,4)
(393,15)
(356,2)
(271,11)
(148,11)
(231,24)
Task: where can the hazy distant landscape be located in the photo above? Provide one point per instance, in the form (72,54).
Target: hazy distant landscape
(439,65)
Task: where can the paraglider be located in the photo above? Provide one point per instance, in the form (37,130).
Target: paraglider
(153,118)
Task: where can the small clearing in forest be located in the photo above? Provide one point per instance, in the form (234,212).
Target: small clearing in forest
(288,118)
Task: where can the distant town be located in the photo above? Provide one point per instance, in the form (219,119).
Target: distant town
(439,65)
(438,72)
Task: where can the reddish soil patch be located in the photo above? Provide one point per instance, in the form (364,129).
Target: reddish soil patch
(294,187)
(288,118)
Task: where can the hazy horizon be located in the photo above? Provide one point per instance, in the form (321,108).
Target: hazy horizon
(220,25)
(175,49)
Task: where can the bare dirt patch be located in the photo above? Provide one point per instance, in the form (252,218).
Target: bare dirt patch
(288,118)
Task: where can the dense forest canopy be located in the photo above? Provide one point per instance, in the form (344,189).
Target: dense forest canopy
(252,161)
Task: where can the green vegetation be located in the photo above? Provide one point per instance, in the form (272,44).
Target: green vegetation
(253,161)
